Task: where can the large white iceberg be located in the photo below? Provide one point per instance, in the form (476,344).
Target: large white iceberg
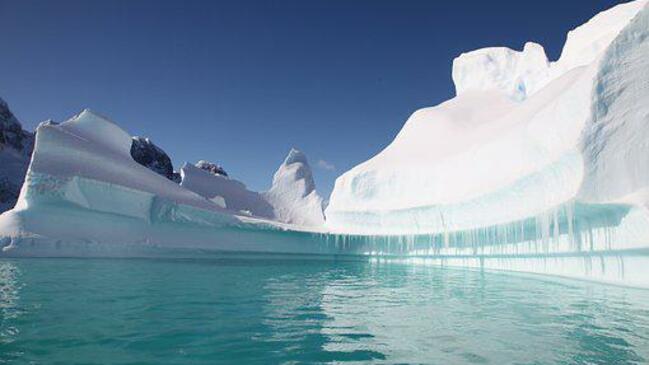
(522,138)
(534,166)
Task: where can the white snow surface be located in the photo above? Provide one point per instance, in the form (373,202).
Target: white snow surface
(522,137)
(232,193)
(519,74)
(291,199)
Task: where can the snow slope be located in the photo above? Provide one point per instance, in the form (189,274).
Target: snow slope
(231,194)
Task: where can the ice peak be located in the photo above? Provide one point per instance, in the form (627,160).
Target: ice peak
(293,195)
(295,156)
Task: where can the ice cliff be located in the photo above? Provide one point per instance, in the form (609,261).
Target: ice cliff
(15,149)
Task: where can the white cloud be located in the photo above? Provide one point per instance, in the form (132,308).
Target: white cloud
(326,165)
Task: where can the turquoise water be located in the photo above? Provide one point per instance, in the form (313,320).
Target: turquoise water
(272,311)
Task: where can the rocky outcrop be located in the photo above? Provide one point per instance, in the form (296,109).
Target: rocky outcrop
(147,154)
(16,146)
(211,168)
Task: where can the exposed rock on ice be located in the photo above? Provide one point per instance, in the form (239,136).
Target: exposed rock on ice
(211,168)
(16,146)
(293,194)
(147,154)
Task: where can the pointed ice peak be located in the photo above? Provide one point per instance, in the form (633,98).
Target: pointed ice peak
(295,167)
(295,156)
(293,195)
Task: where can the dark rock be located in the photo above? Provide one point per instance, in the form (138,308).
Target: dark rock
(147,154)
(16,147)
(11,132)
(211,168)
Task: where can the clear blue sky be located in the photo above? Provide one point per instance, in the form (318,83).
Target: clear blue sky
(241,82)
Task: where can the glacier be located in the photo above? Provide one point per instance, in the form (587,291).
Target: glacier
(536,166)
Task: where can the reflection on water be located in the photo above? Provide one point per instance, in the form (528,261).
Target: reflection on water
(282,311)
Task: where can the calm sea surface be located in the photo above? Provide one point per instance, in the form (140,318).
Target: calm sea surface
(275,311)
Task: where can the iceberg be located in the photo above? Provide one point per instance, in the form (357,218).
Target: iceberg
(534,166)
(523,138)
(85,195)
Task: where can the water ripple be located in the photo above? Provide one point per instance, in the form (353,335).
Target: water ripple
(295,312)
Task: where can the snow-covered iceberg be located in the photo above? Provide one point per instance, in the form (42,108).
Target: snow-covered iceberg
(85,195)
(534,166)
(531,159)
(522,137)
